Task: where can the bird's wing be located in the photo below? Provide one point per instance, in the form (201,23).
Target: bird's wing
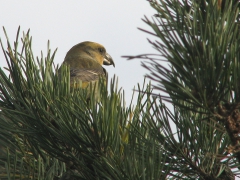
(86,74)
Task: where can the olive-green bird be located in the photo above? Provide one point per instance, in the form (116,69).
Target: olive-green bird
(85,60)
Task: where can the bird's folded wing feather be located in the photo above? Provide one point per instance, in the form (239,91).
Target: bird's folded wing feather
(86,75)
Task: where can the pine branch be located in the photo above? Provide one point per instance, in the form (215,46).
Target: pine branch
(197,71)
(57,128)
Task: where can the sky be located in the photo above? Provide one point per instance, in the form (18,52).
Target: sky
(66,23)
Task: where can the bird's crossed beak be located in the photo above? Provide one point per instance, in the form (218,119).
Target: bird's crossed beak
(108,60)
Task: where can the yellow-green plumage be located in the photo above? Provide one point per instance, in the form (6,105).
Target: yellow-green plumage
(85,60)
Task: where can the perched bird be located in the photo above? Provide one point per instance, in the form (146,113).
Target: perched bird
(85,60)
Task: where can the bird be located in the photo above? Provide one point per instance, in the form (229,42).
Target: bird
(86,61)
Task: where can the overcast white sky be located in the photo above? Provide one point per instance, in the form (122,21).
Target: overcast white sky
(66,23)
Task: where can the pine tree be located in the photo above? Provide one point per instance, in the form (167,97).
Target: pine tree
(183,126)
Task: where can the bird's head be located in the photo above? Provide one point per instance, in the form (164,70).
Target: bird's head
(93,49)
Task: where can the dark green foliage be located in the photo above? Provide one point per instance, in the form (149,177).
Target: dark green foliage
(201,44)
(49,131)
(197,71)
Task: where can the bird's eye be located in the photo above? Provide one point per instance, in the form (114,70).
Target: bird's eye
(101,50)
